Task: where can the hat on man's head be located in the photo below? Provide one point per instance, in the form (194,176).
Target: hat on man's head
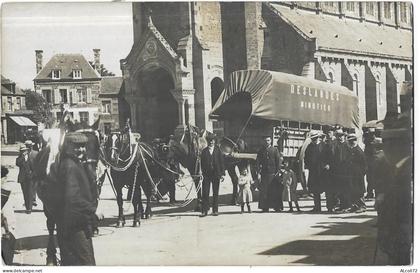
(351,137)
(314,134)
(398,128)
(76,138)
(339,132)
(29,143)
(23,148)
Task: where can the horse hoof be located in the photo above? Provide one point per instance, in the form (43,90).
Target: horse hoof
(143,217)
(136,223)
(120,224)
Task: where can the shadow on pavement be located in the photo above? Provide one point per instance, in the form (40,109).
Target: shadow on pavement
(356,251)
(33,242)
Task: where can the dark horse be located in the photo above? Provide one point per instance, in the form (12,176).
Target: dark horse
(45,171)
(188,151)
(135,164)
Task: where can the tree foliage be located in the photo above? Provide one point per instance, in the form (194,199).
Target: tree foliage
(40,107)
(103,71)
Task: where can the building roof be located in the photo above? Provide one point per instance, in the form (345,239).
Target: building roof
(6,87)
(348,35)
(111,85)
(67,63)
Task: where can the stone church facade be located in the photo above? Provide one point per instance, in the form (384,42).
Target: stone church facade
(184,51)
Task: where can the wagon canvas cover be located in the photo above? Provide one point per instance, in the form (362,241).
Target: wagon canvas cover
(281,96)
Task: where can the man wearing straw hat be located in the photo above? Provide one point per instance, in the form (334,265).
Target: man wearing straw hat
(315,162)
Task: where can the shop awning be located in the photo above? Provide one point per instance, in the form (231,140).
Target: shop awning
(23,121)
(280,96)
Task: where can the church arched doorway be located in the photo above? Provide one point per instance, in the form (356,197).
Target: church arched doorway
(157,114)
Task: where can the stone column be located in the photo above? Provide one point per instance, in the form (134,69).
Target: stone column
(133,115)
(181,96)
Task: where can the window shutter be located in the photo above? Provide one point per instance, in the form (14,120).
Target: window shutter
(13,104)
(57,97)
(89,95)
(75,97)
(22,103)
(4,104)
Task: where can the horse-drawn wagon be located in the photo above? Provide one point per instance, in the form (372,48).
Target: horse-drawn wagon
(256,103)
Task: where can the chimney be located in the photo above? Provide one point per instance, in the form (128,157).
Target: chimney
(97,60)
(38,60)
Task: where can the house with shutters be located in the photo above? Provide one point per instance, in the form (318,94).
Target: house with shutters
(69,81)
(15,118)
(111,99)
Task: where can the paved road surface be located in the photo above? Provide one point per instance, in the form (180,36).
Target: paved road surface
(177,236)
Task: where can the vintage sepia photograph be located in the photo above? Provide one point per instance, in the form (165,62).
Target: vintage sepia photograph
(207,133)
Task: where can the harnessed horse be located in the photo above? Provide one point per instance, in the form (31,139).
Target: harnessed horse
(134,164)
(187,152)
(46,168)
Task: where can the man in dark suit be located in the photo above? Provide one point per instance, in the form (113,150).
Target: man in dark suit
(316,163)
(76,214)
(213,167)
(268,164)
(25,177)
(31,158)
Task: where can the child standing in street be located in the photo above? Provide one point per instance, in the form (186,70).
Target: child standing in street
(245,194)
(289,182)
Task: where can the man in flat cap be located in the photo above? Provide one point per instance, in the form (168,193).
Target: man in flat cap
(76,214)
(213,168)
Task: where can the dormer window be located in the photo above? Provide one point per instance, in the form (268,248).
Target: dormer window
(77,74)
(56,74)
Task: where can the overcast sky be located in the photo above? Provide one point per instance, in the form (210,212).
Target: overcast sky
(62,28)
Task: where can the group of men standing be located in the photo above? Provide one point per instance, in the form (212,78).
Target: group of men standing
(337,166)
